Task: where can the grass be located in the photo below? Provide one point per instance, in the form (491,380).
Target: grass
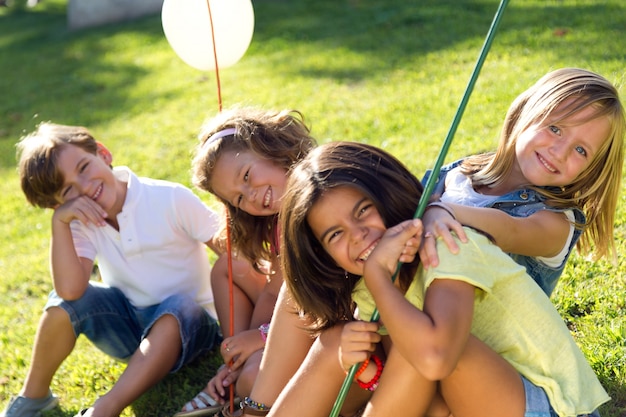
(388,73)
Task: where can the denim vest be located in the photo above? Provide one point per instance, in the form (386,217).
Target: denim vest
(523,203)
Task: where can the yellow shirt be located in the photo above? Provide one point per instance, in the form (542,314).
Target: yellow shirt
(515,318)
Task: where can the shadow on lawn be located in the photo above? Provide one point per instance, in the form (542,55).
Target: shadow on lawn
(63,75)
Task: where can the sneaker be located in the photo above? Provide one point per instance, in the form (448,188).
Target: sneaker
(28,407)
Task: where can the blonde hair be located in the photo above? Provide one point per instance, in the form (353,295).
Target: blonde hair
(596,189)
(279,136)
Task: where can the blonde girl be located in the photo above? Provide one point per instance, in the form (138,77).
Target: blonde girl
(554,178)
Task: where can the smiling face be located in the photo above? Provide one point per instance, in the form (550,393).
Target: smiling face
(86,174)
(348,226)
(556,153)
(249,183)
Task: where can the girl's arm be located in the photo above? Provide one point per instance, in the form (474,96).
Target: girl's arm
(431,339)
(542,234)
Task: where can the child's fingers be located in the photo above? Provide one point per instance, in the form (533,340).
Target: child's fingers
(83,209)
(444,234)
(428,250)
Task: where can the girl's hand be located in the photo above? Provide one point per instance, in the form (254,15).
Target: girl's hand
(358,341)
(216,387)
(239,347)
(439,223)
(399,243)
(81,208)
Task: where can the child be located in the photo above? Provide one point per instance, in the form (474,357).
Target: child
(244,158)
(457,338)
(558,163)
(154,307)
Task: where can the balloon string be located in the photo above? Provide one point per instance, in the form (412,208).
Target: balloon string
(217,72)
(430,184)
(231,302)
(228,239)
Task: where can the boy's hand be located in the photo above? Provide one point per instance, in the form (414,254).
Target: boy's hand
(81,208)
(358,342)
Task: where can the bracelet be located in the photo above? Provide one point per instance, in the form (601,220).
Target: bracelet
(254,411)
(442,206)
(361,369)
(253,407)
(373,383)
(264,330)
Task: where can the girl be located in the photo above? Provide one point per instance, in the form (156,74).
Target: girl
(556,172)
(244,158)
(457,338)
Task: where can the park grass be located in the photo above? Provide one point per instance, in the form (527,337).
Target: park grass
(387,73)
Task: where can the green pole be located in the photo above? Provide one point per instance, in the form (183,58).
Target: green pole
(432,180)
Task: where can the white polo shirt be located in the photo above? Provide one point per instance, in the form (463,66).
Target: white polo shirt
(159,250)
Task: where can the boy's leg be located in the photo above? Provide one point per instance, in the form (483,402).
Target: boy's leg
(101,313)
(176,332)
(156,356)
(54,342)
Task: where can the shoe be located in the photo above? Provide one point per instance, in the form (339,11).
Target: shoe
(201,405)
(81,412)
(225,411)
(28,407)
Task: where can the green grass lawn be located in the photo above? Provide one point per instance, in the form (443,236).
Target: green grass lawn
(388,73)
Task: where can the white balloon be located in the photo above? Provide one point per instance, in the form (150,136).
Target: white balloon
(187,27)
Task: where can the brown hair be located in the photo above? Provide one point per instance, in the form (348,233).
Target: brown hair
(319,286)
(280,136)
(38,154)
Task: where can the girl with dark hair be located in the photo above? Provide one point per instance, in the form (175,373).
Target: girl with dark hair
(457,338)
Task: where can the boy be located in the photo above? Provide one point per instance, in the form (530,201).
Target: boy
(154,308)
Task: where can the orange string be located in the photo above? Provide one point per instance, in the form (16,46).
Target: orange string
(228,239)
(217,72)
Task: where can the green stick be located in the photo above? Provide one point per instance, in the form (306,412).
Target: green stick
(432,180)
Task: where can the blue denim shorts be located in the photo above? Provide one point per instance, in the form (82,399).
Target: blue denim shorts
(538,404)
(106,317)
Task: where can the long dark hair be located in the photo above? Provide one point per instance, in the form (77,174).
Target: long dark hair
(322,289)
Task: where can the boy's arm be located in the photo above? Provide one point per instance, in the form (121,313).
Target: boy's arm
(70,273)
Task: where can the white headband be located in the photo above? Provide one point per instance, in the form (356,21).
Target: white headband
(217,135)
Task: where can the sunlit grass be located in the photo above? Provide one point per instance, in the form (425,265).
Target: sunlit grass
(388,73)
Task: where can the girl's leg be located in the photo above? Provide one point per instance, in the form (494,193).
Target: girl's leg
(286,347)
(248,375)
(247,286)
(313,389)
(483,384)
(402,391)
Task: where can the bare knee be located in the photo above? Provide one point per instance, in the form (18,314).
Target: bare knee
(55,316)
